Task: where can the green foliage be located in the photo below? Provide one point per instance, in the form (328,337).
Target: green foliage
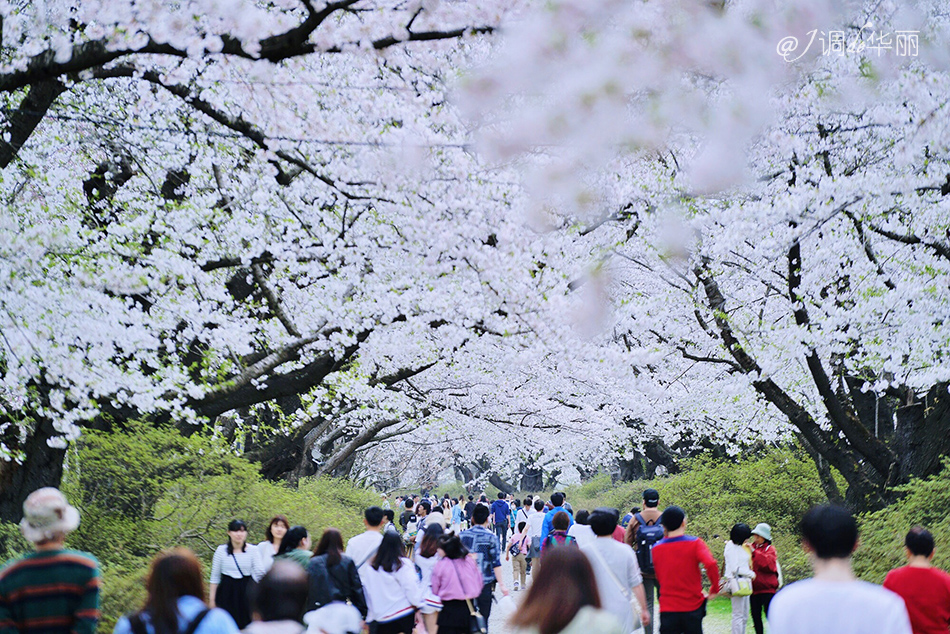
(776,488)
(925,503)
(12,543)
(144,489)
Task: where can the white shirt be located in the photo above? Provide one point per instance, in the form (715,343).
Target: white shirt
(617,572)
(390,595)
(838,607)
(237,565)
(737,562)
(582,533)
(535,520)
(362,547)
(265,553)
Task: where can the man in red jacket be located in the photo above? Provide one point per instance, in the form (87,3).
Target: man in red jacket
(676,559)
(925,589)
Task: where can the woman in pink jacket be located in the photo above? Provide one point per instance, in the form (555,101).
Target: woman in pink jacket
(456,580)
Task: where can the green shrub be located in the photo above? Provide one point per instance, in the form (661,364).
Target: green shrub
(12,543)
(145,489)
(776,488)
(925,503)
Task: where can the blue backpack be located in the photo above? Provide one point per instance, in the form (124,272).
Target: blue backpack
(647,536)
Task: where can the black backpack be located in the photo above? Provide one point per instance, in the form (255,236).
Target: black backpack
(647,536)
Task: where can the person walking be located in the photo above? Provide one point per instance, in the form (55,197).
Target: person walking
(501,512)
(557,501)
(834,600)
(737,574)
(558,535)
(535,521)
(362,547)
(642,534)
(52,590)
(425,558)
(392,588)
(267,549)
(175,600)
(564,599)
(457,581)
(487,550)
(676,559)
(615,567)
(581,531)
(295,547)
(517,554)
(765,567)
(280,600)
(332,575)
(925,589)
(234,567)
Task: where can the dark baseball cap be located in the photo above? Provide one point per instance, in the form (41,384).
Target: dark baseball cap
(651,495)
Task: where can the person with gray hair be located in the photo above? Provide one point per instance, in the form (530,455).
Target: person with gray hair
(52,590)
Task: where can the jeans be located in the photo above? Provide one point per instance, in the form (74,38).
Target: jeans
(501,531)
(740,612)
(650,585)
(682,622)
(760,604)
(483,602)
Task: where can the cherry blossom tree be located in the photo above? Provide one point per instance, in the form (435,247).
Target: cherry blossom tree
(211,208)
(772,220)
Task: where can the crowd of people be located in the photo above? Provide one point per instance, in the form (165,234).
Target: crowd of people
(590,572)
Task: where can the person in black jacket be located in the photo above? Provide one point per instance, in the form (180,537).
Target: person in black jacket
(333,575)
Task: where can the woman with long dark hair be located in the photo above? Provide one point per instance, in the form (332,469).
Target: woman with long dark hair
(457,581)
(563,598)
(392,588)
(295,546)
(175,601)
(267,549)
(426,557)
(333,575)
(234,568)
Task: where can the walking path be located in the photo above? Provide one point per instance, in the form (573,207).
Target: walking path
(497,623)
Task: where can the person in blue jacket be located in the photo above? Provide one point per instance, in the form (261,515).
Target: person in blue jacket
(557,499)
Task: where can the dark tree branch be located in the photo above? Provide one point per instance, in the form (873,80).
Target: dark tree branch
(841,414)
(869,250)
(834,449)
(941,249)
(24,120)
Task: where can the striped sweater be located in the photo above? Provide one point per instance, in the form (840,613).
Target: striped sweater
(51,592)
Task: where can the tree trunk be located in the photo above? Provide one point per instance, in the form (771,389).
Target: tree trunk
(500,484)
(41,467)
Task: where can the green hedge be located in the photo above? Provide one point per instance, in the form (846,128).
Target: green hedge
(776,488)
(925,503)
(146,489)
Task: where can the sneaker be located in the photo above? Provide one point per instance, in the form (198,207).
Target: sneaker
(517,587)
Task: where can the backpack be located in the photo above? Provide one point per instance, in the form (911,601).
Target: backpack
(647,536)
(568,540)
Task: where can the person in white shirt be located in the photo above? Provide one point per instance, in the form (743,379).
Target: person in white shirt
(616,570)
(276,529)
(362,547)
(392,588)
(580,531)
(834,600)
(738,567)
(535,521)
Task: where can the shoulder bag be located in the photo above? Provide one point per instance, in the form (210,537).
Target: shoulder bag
(476,622)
